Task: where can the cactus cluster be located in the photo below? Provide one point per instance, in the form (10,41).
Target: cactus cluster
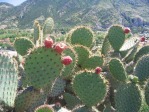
(68,77)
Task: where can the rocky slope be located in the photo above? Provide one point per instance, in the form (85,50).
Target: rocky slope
(67,13)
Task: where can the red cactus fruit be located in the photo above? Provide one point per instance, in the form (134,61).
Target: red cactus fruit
(142,39)
(98,70)
(60,47)
(48,42)
(127,30)
(66,60)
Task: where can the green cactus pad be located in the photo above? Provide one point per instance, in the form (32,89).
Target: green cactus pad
(57,87)
(83,54)
(44,108)
(69,88)
(92,62)
(82,36)
(116,37)
(128,45)
(105,46)
(29,99)
(117,70)
(128,98)
(91,88)
(147,93)
(48,26)
(68,70)
(71,100)
(8,79)
(37,31)
(143,51)
(42,66)
(130,55)
(85,58)
(142,68)
(22,45)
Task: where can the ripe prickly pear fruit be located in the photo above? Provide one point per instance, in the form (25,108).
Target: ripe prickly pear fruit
(66,60)
(48,42)
(127,30)
(60,47)
(142,39)
(98,70)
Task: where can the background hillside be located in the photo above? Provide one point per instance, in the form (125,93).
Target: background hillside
(68,13)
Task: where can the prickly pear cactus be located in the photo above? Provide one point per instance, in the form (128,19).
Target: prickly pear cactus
(29,99)
(92,62)
(91,88)
(42,66)
(130,55)
(8,79)
(143,51)
(57,87)
(37,32)
(142,68)
(128,98)
(82,36)
(117,70)
(71,100)
(68,70)
(44,108)
(128,45)
(116,37)
(85,58)
(105,46)
(48,26)
(22,45)
(83,54)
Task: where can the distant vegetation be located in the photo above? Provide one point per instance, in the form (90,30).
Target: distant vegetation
(7,37)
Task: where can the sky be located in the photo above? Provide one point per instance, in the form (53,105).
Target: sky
(14,2)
